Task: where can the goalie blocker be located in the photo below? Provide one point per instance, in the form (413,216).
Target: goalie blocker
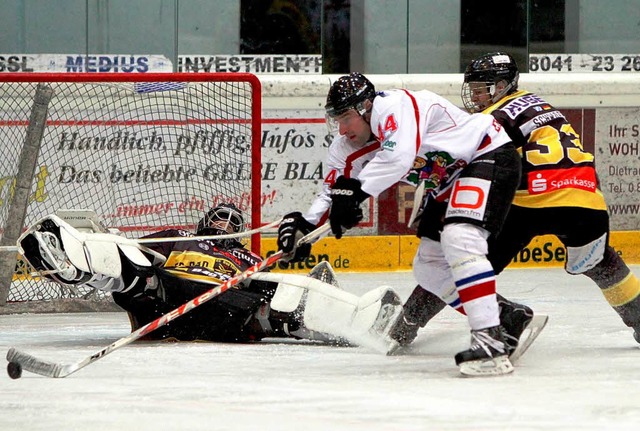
(79,251)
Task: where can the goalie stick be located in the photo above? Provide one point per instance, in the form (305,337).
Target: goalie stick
(210,237)
(54,369)
(142,241)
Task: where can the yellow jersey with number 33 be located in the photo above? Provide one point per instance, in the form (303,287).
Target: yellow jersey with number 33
(556,170)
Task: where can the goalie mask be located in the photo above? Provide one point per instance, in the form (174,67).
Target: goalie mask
(348,92)
(487,79)
(222,220)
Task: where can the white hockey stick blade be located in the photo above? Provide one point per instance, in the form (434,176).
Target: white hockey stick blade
(529,335)
(52,369)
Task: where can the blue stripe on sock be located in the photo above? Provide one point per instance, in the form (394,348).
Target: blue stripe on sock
(474,277)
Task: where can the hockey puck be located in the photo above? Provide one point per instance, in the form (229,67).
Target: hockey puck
(14,370)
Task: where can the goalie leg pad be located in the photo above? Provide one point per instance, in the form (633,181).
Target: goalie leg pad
(287,298)
(62,253)
(43,247)
(371,305)
(328,311)
(364,321)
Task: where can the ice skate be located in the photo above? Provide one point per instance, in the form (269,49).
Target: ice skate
(404,332)
(418,310)
(521,326)
(488,355)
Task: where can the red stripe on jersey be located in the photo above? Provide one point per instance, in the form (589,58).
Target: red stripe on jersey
(323,219)
(485,142)
(357,154)
(478,291)
(417,115)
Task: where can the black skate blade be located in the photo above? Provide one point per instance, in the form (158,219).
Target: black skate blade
(529,335)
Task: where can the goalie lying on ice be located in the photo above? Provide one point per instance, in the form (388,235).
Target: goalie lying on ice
(152,280)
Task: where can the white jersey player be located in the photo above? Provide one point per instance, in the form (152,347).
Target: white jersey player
(436,141)
(469,170)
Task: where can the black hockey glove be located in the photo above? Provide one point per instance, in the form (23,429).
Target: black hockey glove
(292,228)
(346,196)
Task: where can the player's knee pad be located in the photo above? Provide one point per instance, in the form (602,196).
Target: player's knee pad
(583,258)
(300,310)
(460,240)
(43,249)
(432,271)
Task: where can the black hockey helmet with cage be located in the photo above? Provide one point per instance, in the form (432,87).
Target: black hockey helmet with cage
(490,69)
(349,92)
(223,219)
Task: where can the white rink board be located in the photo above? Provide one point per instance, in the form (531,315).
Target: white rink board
(582,373)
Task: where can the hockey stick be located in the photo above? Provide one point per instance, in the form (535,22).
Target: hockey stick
(135,242)
(45,368)
(210,237)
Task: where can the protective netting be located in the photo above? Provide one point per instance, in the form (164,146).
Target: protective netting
(144,155)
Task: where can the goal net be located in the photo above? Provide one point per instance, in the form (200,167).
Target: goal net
(146,152)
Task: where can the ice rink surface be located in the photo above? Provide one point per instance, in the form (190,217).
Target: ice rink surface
(583,373)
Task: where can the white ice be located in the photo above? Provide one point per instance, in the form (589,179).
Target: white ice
(582,373)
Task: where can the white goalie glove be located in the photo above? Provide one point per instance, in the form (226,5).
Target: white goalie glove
(326,308)
(61,252)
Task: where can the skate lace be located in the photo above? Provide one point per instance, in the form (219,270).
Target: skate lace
(482,340)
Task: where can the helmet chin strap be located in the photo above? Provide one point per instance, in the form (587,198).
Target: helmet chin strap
(499,95)
(365,112)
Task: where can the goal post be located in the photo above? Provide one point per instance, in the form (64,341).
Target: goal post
(17,207)
(146,152)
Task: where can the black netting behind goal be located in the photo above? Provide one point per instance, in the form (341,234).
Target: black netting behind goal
(144,151)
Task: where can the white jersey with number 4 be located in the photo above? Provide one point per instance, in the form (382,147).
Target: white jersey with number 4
(346,159)
(426,134)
